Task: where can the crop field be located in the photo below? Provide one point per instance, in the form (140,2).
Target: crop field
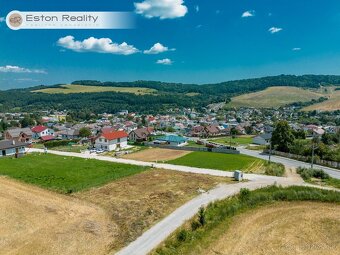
(137,202)
(332,104)
(220,161)
(274,97)
(272,220)
(64,174)
(287,228)
(156,154)
(72,89)
(37,221)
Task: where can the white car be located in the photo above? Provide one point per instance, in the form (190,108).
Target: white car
(99,150)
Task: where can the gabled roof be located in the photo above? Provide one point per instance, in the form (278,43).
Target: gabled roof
(47,137)
(39,129)
(172,138)
(143,132)
(8,144)
(114,135)
(15,132)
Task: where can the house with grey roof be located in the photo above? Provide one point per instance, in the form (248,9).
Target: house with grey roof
(11,148)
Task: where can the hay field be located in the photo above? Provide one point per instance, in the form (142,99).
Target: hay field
(156,154)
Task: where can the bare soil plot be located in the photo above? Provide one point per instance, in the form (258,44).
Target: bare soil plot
(157,154)
(137,202)
(37,221)
(284,228)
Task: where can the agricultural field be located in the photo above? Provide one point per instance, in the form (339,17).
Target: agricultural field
(37,221)
(239,140)
(99,216)
(274,97)
(72,89)
(156,154)
(332,104)
(261,222)
(220,161)
(137,210)
(64,174)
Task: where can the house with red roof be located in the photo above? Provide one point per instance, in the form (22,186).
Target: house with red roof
(40,131)
(110,141)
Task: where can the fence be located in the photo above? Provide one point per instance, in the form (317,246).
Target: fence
(189,148)
(317,161)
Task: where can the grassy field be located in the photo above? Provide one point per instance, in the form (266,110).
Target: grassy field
(260,221)
(330,105)
(227,162)
(156,154)
(71,89)
(242,140)
(64,174)
(274,97)
(151,196)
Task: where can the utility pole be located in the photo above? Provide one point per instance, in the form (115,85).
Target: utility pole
(313,149)
(270,150)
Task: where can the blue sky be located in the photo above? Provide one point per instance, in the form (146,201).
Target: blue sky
(198,42)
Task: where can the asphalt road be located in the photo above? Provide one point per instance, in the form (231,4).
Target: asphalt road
(290,163)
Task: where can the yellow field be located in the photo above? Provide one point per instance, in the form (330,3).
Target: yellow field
(72,89)
(332,104)
(274,97)
(303,228)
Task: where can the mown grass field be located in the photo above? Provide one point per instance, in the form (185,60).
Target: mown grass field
(240,140)
(72,89)
(294,220)
(64,174)
(274,97)
(220,161)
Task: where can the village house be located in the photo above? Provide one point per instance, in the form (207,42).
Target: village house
(112,141)
(69,134)
(11,148)
(19,134)
(172,140)
(140,134)
(41,131)
(263,139)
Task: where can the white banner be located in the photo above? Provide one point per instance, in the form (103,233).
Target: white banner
(70,20)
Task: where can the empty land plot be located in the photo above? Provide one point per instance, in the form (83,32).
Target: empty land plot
(37,221)
(137,202)
(274,97)
(301,228)
(220,161)
(332,104)
(72,89)
(156,154)
(64,174)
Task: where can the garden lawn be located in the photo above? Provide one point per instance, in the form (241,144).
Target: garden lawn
(220,161)
(64,174)
(244,140)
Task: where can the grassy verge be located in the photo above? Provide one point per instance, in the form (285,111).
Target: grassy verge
(318,176)
(211,222)
(64,174)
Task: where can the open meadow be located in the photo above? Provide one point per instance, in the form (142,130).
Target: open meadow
(156,154)
(72,89)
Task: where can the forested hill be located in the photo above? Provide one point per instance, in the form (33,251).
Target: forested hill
(229,87)
(165,96)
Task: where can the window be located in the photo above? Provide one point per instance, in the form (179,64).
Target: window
(106,140)
(118,140)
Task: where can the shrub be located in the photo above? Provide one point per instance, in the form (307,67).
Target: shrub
(244,193)
(201,216)
(182,235)
(308,173)
(274,169)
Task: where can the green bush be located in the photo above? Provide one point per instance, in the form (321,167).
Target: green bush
(274,169)
(57,143)
(308,173)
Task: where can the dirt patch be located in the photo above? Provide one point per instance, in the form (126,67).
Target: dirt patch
(36,221)
(284,228)
(157,154)
(138,202)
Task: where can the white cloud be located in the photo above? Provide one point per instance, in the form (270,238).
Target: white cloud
(296,49)
(17,69)
(2,19)
(197,8)
(157,48)
(165,61)
(163,9)
(274,30)
(101,45)
(248,14)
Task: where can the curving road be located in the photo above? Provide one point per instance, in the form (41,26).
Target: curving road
(290,163)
